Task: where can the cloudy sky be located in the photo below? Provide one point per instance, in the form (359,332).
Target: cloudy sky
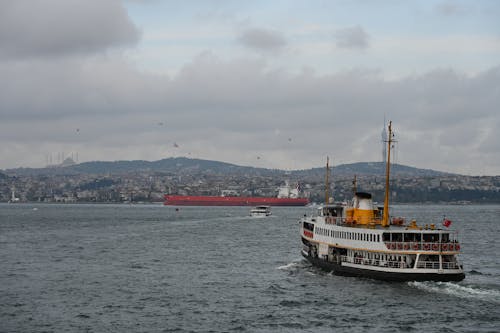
(279,84)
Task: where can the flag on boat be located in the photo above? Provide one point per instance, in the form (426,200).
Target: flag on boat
(446,222)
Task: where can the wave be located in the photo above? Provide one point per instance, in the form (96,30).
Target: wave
(289,266)
(457,290)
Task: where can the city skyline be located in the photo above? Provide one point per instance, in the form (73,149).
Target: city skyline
(277,84)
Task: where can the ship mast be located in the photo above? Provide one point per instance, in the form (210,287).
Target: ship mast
(385,220)
(327,181)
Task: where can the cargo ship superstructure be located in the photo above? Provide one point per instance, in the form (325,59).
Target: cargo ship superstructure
(358,238)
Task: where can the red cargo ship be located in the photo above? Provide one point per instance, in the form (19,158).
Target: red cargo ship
(192,200)
(286,197)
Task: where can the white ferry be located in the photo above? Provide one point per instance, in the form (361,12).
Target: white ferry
(260,211)
(359,239)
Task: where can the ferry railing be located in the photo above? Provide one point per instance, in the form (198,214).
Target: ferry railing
(450,265)
(428,264)
(423,246)
(399,264)
(334,220)
(375,262)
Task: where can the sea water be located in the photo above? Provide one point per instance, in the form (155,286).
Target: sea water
(152,268)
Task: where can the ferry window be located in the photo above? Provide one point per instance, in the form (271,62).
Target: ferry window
(332,212)
(409,237)
(386,237)
(397,237)
(430,238)
(371,239)
(378,238)
(309,226)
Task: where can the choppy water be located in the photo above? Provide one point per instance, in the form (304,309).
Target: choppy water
(121,268)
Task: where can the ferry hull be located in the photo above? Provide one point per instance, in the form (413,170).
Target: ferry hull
(339,269)
(188,200)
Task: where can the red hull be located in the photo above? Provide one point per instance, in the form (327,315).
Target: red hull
(190,200)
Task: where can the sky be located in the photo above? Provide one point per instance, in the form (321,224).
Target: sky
(275,84)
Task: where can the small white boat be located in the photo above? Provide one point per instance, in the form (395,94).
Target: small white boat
(260,211)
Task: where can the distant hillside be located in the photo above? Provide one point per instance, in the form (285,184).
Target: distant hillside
(373,169)
(188,165)
(168,165)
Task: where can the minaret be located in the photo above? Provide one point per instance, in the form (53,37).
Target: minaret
(384,143)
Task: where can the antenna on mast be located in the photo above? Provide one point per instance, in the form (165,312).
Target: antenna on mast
(327,181)
(390,140)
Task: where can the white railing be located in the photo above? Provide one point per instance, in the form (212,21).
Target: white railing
(450,265)
(375,262)
(423,246)
(398,264)
(428,264)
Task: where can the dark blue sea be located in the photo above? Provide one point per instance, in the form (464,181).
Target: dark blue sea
(150,268)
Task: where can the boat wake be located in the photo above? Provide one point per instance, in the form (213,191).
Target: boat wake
(291,266)
(457,290)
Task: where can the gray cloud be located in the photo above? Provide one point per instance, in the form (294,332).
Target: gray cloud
(262,39)
(449,8)
(236,110)
(48,28)
(352,38)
